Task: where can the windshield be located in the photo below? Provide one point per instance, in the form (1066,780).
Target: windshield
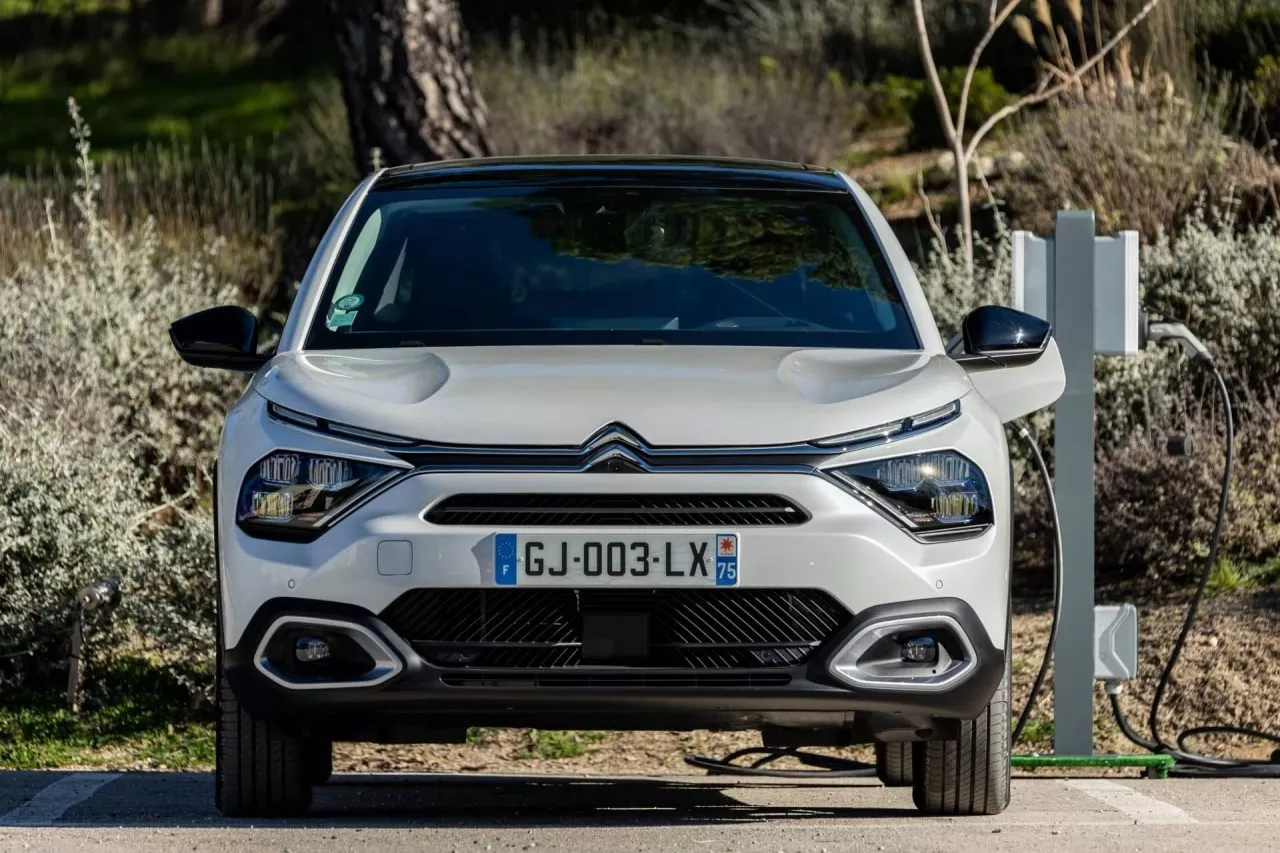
(610,266)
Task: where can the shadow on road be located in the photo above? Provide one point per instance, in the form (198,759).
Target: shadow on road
(173,800)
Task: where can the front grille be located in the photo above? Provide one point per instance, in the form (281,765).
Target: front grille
(541,629)
(616,510)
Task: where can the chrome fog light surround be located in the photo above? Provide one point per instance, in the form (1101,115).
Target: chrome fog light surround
(890,672)
(386,663)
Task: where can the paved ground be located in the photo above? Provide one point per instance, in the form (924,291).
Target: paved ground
(166,811)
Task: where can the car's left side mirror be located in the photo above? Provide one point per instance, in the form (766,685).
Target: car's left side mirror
(1002,335)
(1011,360)
(225,337)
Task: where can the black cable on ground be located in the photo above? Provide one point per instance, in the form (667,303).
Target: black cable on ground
(1026,435)
(1191,763)
(832,767)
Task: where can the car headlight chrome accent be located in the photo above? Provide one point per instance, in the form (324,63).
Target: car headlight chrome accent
(893,429)
(937,495)
(294,495)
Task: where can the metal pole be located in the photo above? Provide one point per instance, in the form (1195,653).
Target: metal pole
(76,667)
(1072,304)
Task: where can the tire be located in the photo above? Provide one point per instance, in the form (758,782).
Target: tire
(970,775)
(261,769)
(319,761)
(893,764)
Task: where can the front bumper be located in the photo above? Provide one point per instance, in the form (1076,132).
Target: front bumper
(388,547)
(424,702)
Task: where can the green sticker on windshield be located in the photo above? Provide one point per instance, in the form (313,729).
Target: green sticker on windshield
(350,302)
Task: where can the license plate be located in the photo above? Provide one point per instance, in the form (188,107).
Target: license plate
(617,560)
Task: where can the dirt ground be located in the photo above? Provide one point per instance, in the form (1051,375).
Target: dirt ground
(1229,674)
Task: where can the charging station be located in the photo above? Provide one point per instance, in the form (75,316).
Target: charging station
(1087,287)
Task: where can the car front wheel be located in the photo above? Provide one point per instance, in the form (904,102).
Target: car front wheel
(969,775)
(261,769)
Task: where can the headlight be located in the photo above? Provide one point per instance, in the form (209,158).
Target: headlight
(933,495)
(291,495)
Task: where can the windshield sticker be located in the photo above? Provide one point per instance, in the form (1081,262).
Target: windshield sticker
(350,302)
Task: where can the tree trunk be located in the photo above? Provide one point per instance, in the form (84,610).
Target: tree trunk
(407,81)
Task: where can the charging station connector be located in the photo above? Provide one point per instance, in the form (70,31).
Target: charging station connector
(1157,333)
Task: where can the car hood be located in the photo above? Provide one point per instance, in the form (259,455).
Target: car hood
(668,395)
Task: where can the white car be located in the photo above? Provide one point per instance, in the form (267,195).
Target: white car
(629,443)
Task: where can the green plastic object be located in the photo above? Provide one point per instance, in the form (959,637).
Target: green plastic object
(1156,766)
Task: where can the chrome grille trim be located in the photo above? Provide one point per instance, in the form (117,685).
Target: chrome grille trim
(612,439)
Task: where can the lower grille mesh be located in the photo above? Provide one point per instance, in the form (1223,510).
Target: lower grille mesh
(687,629)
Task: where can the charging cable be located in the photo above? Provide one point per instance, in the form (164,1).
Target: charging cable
(1030,440)
(1190,762)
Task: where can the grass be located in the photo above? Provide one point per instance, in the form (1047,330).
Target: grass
(1037,734)
(1240,576)
(557,744)
(185,87)
(150,724)
(56,8)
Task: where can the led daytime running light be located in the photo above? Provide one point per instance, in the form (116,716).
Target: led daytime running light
(894,429)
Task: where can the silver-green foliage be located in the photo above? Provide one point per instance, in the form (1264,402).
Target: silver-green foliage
(1224,283)
(104,438)
(953,291)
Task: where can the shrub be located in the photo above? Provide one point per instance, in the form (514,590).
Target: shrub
(1264,92)
(104,438)
(1224,283)
(1156,512)
(867,39)
(633,96)
(103,299)
(894,99)
(986,96)
(953,292)
(1236,43)
(1140,160)
(72,512)
(860,38)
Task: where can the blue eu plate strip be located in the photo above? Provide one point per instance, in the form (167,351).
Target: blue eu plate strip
(726,559)
(504,559)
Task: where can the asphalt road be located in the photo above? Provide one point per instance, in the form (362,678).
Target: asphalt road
(167,811)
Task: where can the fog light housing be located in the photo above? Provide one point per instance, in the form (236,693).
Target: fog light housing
(311,650)
(920,650)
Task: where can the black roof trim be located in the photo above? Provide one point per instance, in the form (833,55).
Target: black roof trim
(633,170)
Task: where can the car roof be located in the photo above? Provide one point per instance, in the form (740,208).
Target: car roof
(597,170)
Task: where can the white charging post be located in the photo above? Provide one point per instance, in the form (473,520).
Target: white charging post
(1087,287)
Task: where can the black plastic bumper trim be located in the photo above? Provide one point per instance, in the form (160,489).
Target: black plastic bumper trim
(420,696)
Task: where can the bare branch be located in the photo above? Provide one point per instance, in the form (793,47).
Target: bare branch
(933,221)
(991,200)
(1045,93)
(931,73)
(996,21)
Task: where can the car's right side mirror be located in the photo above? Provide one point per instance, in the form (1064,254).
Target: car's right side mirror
(1011,359)
(1006,336)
